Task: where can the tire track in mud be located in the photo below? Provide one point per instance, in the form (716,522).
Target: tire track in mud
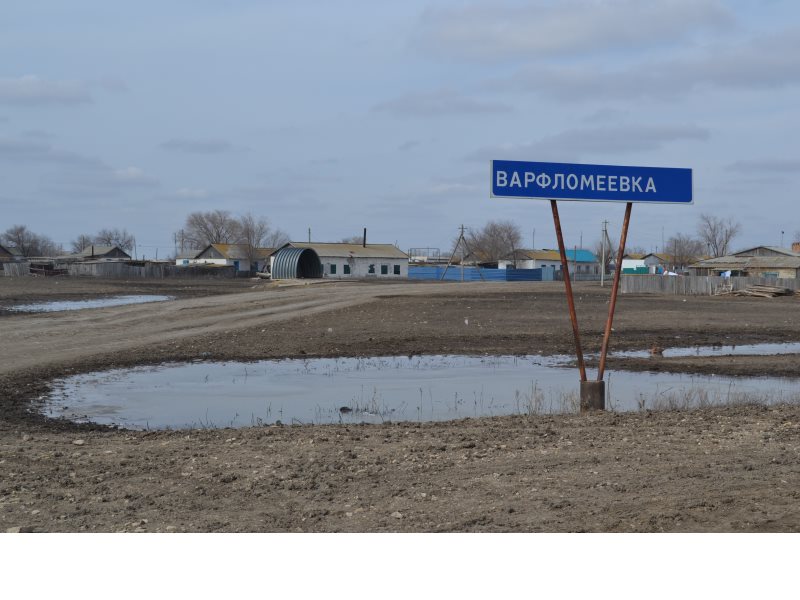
(39,340)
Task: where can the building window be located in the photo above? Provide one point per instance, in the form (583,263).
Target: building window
(347,269)
(333,269)
(384,269)
(371,269)
(397,269)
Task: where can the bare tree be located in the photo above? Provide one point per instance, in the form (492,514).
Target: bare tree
(81,242)
(495,241)
(275,238)
(114,237)
(683,250)
(28,242)
(717,233)
(353,239)
(610,249)
(213,227)
(256,233)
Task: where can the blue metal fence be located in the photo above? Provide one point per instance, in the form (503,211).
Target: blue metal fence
(473,274)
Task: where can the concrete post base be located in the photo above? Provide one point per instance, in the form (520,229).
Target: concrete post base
(593,395)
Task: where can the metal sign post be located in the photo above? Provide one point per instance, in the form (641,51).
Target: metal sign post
(591,183)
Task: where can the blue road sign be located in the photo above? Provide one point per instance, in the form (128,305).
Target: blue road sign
(593,183)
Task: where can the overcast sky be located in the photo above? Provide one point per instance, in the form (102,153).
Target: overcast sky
(350,114)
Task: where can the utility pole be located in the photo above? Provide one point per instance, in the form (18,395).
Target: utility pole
(461,240)
(309,235)
(462,254)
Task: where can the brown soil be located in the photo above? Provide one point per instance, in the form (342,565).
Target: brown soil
(726,469)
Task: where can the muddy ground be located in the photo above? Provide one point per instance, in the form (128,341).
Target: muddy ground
(724,469)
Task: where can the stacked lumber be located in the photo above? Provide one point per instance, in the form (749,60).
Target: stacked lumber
(763,291)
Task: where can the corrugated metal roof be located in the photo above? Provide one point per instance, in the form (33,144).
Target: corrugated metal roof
(296,263)
(582,256)
(354,250)
(742,263)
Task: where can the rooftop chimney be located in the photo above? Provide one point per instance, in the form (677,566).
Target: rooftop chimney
(365,237)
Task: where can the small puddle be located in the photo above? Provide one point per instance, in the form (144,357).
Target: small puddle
(719,350)
(58,305)
(373,390)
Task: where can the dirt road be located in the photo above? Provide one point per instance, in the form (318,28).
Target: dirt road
(726,469)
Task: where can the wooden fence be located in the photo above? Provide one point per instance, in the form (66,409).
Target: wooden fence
(694,286)
(16,269)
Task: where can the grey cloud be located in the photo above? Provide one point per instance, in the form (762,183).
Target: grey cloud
(198,146)
(774,165)
(37,152)
(765,62)
(75,174)
(191,193)
(438,104)
(38,134)
(486,31)
(606,115)
(30,90)
(110,84)
(409,145)
(102,182)
(574,143)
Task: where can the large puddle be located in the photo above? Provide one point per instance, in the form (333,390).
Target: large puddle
(58,305)
(419,388)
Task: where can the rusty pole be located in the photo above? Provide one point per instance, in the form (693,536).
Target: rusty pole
(617,272)
(570,301)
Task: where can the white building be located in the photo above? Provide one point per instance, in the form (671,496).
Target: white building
(346,261)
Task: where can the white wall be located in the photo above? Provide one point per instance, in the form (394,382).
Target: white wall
(359,267)
(529,264)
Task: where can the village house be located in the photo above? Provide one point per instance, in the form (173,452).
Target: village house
(97,252)
(531,259)
(580,261)
(241,257)
(634,263)
(761,261)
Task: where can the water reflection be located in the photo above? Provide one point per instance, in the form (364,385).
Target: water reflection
(717,350)
(377,389)
(58,305)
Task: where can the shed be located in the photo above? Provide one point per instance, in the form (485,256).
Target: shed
(350,261)
(10,254)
